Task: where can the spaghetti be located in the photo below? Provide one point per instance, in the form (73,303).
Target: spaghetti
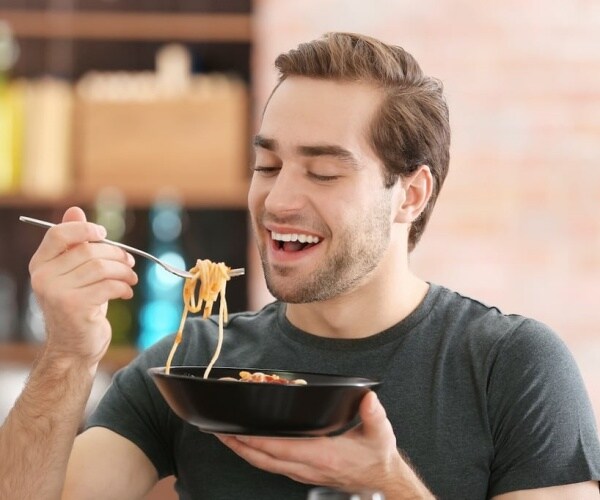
(212,278)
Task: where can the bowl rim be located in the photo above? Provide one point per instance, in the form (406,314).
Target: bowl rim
(353,381)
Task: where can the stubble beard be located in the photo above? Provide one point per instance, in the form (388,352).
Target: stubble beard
(359,250)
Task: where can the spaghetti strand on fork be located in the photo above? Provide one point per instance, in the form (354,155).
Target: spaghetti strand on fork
(208,282)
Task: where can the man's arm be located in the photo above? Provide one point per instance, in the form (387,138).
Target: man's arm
(366,457)
(105,466)
(580,491)
(36,438)
(73,280)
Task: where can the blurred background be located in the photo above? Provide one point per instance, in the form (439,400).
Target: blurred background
(141,112)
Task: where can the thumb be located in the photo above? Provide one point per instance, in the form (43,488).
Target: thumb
(74,214)
(372,414)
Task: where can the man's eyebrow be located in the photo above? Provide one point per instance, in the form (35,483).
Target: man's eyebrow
(315,150)
(264,142)
(332,150)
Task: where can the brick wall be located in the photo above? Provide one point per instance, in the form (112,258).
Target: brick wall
(517,223)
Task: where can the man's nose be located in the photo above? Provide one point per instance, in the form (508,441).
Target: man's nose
(286,193)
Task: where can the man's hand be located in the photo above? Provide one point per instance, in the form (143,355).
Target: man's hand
(73,281)
(364,457)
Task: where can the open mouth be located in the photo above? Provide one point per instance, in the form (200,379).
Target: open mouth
(293,242)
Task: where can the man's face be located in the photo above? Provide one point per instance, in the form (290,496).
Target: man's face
(320,212)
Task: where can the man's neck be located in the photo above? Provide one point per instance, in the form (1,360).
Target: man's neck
(385,299)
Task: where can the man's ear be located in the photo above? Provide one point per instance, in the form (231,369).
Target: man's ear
(417,191)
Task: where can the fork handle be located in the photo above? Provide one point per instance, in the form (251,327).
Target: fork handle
(137,251)
(43,223)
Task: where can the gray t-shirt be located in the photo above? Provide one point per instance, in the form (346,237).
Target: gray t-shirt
(481,402)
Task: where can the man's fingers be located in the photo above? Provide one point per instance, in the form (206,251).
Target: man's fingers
(74,214)
(100,293)
(83,265)
(98,282)
(84,302)
(303,450)
(373,416)
(62,237)
(280,449)
(262,459)
(89,253)
(96,271)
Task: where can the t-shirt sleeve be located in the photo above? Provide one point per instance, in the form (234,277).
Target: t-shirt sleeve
(134,408)
(540,416)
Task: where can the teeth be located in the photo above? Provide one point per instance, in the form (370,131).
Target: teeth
(302,238)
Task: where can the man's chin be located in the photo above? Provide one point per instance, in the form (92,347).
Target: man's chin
(282,293)
(286,286)
(291,292)
(286,291)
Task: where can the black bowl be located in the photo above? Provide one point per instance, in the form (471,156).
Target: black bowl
(326,405)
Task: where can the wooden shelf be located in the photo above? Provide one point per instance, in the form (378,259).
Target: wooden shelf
(234,197)
(129,26)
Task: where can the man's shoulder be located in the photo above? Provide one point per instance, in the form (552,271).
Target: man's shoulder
(479,321)
(461,307)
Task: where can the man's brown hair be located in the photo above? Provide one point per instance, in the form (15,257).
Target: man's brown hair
(411,127)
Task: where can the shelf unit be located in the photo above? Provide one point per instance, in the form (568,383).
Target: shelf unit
(205,198)
(113,39)
(129,26)
(72,26)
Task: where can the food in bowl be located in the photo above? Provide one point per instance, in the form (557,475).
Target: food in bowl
(265,378)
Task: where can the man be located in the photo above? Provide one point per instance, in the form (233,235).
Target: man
(350,156)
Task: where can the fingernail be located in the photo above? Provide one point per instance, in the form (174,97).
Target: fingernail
(101,231)
(372,403)
(130,259)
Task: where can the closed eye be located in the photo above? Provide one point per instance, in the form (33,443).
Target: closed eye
(267,171)
(323,178)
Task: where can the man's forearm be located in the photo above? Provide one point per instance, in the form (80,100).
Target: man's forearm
(407,490)
(403,483)
(38,434)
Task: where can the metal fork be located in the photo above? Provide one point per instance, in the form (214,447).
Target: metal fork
(176,271)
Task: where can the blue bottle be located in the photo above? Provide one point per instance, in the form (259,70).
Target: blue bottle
(161,292)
